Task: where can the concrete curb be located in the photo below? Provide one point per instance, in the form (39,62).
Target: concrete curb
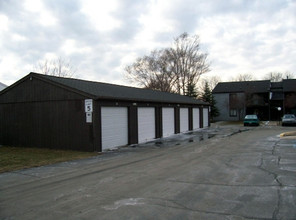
(286,134)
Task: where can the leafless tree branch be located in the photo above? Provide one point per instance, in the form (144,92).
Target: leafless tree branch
(56,67)
(172,69)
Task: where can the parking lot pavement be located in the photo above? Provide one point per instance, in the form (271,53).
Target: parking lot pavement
(234,174)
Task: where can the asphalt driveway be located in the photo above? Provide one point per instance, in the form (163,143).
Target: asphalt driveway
(220,173)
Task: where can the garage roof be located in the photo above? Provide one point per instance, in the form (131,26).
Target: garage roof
(110,91)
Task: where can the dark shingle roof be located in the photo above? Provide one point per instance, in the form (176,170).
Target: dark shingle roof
(110,91)
(276,85)
(289,85)
(245,86)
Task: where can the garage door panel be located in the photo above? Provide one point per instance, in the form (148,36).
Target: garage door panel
(205,117)
(196,118)
(184,120)
(114,127)
(168,121)
(146,124)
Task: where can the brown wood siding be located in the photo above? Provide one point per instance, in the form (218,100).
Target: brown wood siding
(190,118)
(59,125)
(201,117)
(97,128)
(158,122)
(36,90)
(133,125)
(177,120)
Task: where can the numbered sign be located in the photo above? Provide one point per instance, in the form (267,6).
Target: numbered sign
(88,105)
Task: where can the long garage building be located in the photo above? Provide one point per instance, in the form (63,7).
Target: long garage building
(65,113)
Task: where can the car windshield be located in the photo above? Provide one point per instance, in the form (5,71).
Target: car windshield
(289,116)
(251,117)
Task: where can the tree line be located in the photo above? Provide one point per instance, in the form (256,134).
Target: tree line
(272,76)
(176,69)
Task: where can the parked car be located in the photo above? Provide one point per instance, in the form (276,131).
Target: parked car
(251,120)
(289,119)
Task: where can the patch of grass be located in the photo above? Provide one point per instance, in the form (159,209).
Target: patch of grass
(16,158)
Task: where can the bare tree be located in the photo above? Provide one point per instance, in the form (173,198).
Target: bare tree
(288,75)
(212,81)
(187,62)
(148,72)
(243,77)
(56,67)
(278,76)
(175,69)
(274,76)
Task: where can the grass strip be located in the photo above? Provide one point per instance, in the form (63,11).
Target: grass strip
(16,158)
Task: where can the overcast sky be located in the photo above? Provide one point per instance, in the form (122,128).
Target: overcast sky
(100,37)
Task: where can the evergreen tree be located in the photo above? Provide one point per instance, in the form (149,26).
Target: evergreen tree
(207,96)
(191,91)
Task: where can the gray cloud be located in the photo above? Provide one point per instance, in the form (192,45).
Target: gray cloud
(249,36)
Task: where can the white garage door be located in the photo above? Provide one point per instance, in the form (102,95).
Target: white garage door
(114,127)
(168,121)
(146,124)
(196,116)
(205,117)
(184,121)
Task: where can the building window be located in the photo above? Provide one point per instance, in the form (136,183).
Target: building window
(233,99)
(233,112)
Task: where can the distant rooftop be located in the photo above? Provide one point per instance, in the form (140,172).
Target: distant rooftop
(261,86)
(289,85)
(244,86)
